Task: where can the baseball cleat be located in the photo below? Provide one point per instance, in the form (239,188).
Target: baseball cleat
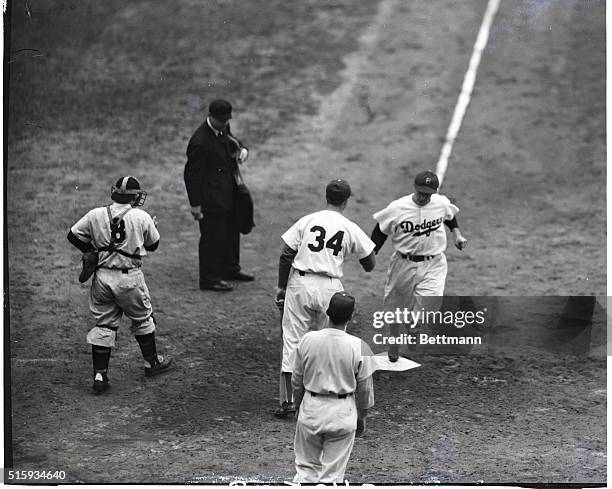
(287,409)
(393,356)
(159,368)
(100,384)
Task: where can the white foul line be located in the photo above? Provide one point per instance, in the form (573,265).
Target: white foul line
(466,90)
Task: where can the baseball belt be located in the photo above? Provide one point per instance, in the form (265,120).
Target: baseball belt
(339,396)
(417,258)
(302,273)
(123,270)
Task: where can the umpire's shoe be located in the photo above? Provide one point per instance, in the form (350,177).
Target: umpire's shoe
(100,383)
(220,286)
(162,365)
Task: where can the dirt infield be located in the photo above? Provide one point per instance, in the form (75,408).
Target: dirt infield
(359,90)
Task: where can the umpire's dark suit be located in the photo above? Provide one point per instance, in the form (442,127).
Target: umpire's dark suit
(209,178)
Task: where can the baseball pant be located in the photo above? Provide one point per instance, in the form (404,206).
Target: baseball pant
(219,247)
(113,294)
(415,285)
(324,438)
(306,301)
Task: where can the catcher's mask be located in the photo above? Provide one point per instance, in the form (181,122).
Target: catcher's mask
(127,191)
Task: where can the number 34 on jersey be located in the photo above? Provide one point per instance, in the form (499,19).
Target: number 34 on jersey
(323,240)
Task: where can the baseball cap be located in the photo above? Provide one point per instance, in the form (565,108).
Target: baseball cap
(426,182)
(337,191)
(128,189)
(220,109)
(341,307)
(126,185)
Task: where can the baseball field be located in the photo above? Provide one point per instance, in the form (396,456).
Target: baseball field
(321,89)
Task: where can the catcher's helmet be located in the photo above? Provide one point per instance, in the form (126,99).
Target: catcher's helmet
(127,190)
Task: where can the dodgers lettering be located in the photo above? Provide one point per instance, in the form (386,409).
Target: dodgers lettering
(425,227)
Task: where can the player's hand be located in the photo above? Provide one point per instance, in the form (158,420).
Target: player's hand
(154,221)
(280,294)
(196,212)
(361,426)
(460,241)
(279,298)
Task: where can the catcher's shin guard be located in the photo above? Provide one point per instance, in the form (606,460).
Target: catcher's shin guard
(154,364)
(101,357)
(148,347)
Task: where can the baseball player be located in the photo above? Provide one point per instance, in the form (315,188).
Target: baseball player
(309,272)
(333,390)
(417,271)
(122,234)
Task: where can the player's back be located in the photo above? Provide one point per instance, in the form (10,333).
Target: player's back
(330,359)
(131,233)
(323,241)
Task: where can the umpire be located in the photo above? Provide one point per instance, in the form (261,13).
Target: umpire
(333,389)
(211,174)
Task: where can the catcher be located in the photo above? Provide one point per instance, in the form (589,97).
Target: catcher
(114,239)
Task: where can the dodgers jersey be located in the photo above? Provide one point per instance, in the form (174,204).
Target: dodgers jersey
(323,240)
(135,231)
(415,229)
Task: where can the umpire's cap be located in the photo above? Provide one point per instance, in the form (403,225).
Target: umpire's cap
(341,307)
(337,191)
(220,109)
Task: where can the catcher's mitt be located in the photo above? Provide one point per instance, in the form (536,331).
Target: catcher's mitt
(90,263)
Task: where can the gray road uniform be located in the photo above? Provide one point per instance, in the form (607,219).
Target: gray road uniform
(118,287)
(118,236)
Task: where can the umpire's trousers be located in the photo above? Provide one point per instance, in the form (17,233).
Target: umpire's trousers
(219,248)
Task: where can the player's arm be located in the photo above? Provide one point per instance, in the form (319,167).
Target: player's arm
(453,225)
(297,377)
(298,395)
(151,234)
(284,267)
(363,247)
(193,176)
(81,245)
(297,382)
(378,237)
(369,262)
(152,247)
(364,397)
